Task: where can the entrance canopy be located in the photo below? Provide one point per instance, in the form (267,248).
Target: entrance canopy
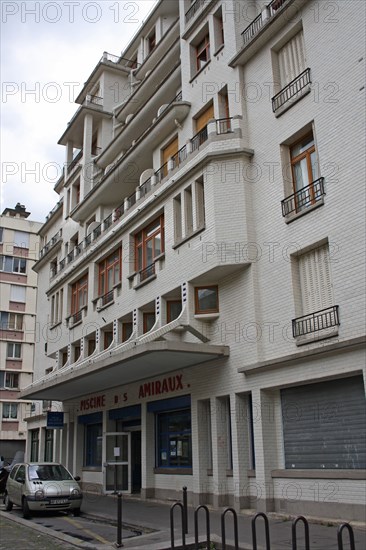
(117,369)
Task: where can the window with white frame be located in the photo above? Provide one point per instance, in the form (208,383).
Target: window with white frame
(11,321)
(10,264)
(189,211)
(13,350)
(10,411)
(9,380)
(57,307)
(18,293)
(21,239)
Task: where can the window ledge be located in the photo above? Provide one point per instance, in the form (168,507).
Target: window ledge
(181,241)
(145,281)
(173,471)
(292,101)
(251,473)
(207,316)
(319,474)
(295,215)
(314,337)
(17,359)
(200,71)
(229,473)
(55,325)
(219,49)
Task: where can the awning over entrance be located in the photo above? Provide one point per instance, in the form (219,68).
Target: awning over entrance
(140,362)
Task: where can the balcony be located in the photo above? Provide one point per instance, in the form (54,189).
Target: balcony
(263,18)
(294,91)
(147,272)
(304,199)
(195,7)
(316,323)
(105,300)
(51,243)
(76,318)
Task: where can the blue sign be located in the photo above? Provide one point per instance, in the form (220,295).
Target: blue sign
(55,419)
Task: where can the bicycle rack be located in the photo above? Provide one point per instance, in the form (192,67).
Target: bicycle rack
(306,531)
(180,505)
(223,532)
(350,534)
(254,531)
(208,534)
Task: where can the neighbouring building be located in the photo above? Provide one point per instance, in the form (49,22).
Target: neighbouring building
(203,275)
(19,249)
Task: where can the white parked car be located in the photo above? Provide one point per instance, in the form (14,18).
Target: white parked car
(42,486)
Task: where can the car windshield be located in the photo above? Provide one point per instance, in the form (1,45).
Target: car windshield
(48,472)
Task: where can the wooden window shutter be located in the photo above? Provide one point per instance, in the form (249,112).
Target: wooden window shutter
(203,119)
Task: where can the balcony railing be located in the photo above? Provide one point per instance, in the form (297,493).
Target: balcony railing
(252,29)
(95,99)
(107,222)
(314,322)
(262,19)
(193,9)
(149,271)
(291,91)
(55,239)
(302,199)
(75,161)
(76,317)
(110,57)
(223,125)
(199,138)
(106,299)
(161,172)
(145,187)
(179,156)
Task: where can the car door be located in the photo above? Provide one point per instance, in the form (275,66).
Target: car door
(17,485)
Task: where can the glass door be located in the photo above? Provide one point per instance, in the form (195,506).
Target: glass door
(117,472)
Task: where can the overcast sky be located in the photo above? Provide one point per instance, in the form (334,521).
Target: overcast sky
(48,50)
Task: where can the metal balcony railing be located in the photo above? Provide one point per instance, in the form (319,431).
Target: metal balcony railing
(147,272)
(193,9)
(252,29)
(161,172)
(75,161)
(179,156)
(110,57)
(145,187)
(223,125)
(314,322)
(76,317)
(275,5)
(107,222)
(303,198)
(291,91)
(106,299)
(199,138)
(95,99)
(47,247)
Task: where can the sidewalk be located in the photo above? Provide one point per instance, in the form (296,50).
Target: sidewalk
(155,515)
(152,518)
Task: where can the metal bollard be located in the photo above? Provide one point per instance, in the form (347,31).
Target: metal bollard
(185,509)
(119,543)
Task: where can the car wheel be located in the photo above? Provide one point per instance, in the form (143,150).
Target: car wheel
(76,512)
(26,510)
(8,503)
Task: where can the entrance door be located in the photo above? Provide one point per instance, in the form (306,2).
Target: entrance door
(117,473)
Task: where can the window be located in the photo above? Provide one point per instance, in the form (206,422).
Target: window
(11,321)
(173,309)
(314,296)
(93,445)
(148,320)
(218,29)
(207,299)
(127,329)
(291,59)
(10,411)
(149,245)
(91,346)
(1,234)
(203,52)
(9,380)
(190,217)
(48,446)
(34,437)
(174,446)
(10,264)
(21,239)
(17,293)
(110,273)
(79,295)
(57,307)
(304,169)
(151,42)
(13,350)
(108,338)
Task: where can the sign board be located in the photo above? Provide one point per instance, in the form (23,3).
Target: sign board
(55,419)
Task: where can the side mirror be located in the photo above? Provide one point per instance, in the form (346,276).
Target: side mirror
(77,478)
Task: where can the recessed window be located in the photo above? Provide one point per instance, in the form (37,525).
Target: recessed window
(174,445)
(148,320)
(13,350)
(9,380)
(34,437)
(127,329)
(9,264)
(151,41)
(93,444)
(207,299)
(11,321)
(203,52)
(173,309)
(149,244)
(79,295)
(10,411)
(109,274)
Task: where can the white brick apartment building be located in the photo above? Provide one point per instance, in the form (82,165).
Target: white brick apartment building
(203,272)
(19,249)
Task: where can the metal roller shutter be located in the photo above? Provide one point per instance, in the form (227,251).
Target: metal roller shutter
(324,425)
